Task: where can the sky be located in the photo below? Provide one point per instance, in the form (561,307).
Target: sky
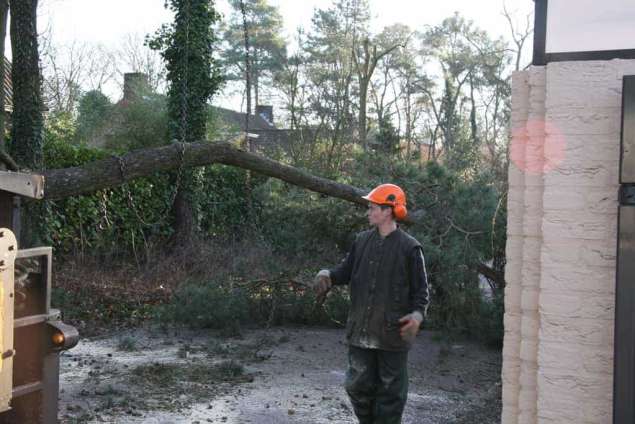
(109,22)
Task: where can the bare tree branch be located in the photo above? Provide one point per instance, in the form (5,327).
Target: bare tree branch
(519,37)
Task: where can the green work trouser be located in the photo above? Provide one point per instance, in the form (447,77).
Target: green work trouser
(377,384)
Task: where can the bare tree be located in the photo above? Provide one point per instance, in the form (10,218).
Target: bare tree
(72,69)
(365,69)
(519,35)
(392,90)
(469,61)
(133,55)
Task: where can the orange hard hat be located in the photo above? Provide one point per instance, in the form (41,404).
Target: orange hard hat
(389,194)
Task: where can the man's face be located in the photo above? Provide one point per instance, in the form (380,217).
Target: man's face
(378,215)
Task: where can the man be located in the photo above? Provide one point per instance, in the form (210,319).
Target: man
(385,271)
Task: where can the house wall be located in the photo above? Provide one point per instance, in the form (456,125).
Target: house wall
(561,248)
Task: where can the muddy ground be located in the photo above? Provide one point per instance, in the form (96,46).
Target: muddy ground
(277,376)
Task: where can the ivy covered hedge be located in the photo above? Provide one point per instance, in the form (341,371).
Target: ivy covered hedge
(130,218)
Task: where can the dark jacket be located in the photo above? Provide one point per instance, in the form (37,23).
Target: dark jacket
(387,280)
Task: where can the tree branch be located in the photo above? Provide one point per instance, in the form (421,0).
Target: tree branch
(8,161)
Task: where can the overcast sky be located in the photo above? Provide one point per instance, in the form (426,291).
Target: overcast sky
(109,21)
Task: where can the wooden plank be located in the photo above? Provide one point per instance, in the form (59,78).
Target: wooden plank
(28,185)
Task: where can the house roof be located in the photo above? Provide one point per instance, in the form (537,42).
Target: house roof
(237,119)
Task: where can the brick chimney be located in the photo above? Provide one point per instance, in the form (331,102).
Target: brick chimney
(266,112)
(135,85)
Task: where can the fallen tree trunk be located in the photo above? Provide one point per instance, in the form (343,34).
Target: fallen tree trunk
(116,170)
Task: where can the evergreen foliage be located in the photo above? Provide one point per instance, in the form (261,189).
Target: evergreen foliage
(193,76)
(93,113)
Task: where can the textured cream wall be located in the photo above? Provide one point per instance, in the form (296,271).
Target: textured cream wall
(562,224)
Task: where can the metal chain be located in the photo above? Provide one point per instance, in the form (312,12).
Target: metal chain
(126,189)
(104,212)
(179,173)
(163,216)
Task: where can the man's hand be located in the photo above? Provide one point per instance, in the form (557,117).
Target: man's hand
(409,325)
(323,283)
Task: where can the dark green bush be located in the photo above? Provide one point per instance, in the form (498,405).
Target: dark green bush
(94,112)
(138,124)
(488,325)
(300,222)
(208,305)
(213,305)
(223,200)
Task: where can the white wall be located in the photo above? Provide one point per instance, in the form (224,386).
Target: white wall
(561,250)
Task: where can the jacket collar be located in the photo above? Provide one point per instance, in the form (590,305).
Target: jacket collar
(389,236)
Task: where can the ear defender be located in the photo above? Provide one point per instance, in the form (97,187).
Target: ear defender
(400,211)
